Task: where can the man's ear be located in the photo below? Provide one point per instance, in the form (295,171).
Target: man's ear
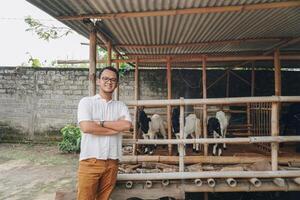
(97,81)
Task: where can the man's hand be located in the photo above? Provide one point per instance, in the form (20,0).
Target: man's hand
(120,125)
(93,127)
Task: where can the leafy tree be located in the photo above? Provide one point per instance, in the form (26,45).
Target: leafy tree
(46,32)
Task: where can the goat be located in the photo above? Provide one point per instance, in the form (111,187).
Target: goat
(150,128)
(192,127)
(217,127)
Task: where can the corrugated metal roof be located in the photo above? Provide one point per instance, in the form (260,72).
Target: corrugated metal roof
(180,29)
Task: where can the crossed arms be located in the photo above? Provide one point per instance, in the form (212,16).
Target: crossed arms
(109,127)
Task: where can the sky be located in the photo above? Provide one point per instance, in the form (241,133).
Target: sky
(15,42)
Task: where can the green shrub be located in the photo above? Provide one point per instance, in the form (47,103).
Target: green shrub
(71,139)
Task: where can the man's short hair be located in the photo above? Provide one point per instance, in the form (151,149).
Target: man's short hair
(111,69)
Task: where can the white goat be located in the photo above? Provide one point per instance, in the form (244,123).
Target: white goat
(224,122)
(156,125)
(192,127)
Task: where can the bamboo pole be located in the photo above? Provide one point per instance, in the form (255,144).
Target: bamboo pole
(204,91)
(240,140)
(276,109)
(248,118)
(169,96)
(136,97)
(207,159)
(93,61)
(209,174)
(275,132)
(213,101)
(181,146)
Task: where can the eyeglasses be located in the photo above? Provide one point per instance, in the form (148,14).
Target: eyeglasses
(106,79)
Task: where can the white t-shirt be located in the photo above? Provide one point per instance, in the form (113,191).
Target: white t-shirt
(103,147)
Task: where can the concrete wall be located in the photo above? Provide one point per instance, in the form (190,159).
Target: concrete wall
(36,103)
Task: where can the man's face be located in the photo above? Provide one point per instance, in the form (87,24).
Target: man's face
(107,81)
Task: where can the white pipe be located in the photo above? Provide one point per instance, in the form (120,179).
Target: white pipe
(129,184)
(165,182)
(279,182)
(206,174)
(231,182)
(255,182)
(198,182)
(211,182)
(297,180)
(148,184)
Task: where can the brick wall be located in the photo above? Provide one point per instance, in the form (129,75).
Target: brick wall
(36,103)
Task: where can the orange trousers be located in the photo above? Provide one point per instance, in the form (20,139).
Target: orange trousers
(96,179)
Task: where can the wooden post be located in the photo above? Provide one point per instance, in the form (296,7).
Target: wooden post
(277,71)
(275,132)
(109,52)
(205,195)
(181,134)
(93,61)
(136,97)
(227,83)
(276,110)
(117,91)
(248,118)
(253,79)
(169,85)
(204,91)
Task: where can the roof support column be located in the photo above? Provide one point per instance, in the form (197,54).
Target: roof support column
(136,97)
(92,61)
(117,91)
(109,53)
(204,92)
(169,96)
(276,110)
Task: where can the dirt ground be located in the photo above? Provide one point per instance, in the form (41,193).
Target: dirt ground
(35,172)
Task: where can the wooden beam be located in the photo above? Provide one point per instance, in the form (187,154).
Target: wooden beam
(92,61)
(227,82)
(109,53)
(187,59)
(174,12)
(253,79)
(117,91)
(136,97)
(224,42)
(277,73)
(204,91)
(169,96)
(239,77)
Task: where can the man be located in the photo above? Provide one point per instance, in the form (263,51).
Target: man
(101,120)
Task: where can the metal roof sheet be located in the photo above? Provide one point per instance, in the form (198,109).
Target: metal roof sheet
(180,29)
